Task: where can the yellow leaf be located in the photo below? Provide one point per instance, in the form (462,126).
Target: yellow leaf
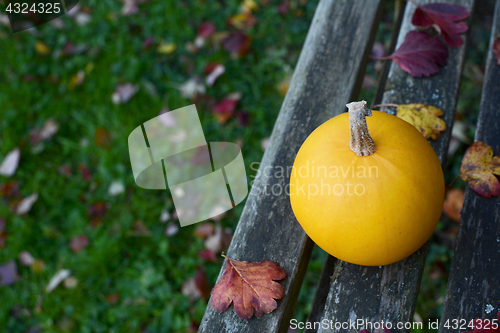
(424,118)
(41,48)
(249,6)
(479,168)
(167,48)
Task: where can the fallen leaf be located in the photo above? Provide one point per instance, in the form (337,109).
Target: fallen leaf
(166,48)
(237,43)
(264,143)
(196,287)
(26,259)
(207,255)
(213,74)
(38,266)
(96,212)
(224,110)
(204,230)
(10,163)
(84,171)
(251,286)
(59,277)
(115,188)
(479,168)
(41,48)
(113,298)
(123,93)
(453,204)
(3,233)
(420,54)
(424,118)
(172,229)
(24,206)
(78,243)
(139,229)
(283,7)
(129,7)
(496,49)
(65,170)
(249,6)
(221,239)
(70,282)
(192,87)
(102,138)
(9,190)
(242,21)
(82,19)
(444,18)
(49,129)
(8,273)
(164,216)
(206,29)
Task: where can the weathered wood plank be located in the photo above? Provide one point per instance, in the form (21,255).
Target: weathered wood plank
(388,294)
(330,69)
(473,287)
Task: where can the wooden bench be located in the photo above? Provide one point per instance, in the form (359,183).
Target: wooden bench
(329,75)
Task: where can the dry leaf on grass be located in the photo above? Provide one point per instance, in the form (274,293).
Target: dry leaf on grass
(251,286)
(479,168)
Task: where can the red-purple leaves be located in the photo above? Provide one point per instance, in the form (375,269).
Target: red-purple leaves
(420,54)
(444,18)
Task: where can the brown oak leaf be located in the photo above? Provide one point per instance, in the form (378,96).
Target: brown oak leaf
(251,286)
(479,168)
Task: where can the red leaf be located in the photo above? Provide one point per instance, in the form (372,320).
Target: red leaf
(3,233)
(8,273)
(206,29)
(78,243)
(420,54)
(453,204)
(496,48)
(237,44)
(102,138)
(207,255)
(251,286)
(85,172)
(224,110)
(444,17)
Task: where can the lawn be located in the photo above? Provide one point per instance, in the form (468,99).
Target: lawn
(72,90)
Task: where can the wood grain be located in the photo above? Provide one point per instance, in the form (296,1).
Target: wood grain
(328,75)
(473,287)
(389,293)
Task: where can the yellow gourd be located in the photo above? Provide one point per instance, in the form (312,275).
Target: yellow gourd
(368,198)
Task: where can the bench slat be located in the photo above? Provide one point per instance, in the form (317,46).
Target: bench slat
(473,287)
(329,72)
(389,293)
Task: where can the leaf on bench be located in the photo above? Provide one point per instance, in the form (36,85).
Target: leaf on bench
(420,54)
(479,168)
(444,18)
(496,49)
(251,286)
(422,117)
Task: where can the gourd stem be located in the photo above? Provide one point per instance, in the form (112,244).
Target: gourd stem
(361,141)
